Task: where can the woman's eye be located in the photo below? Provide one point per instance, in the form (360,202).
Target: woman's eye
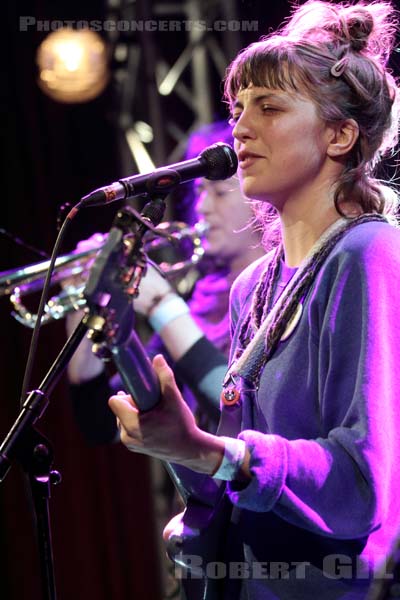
(268,108)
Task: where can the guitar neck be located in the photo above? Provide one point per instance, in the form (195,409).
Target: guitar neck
(137,372)
(141,382)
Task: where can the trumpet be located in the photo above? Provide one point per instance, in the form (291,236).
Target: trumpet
(177,251)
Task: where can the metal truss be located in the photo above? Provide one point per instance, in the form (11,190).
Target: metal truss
(168,62)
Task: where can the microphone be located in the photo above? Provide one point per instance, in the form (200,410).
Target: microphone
(218,161)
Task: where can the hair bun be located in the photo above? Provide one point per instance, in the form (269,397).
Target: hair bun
(359,28)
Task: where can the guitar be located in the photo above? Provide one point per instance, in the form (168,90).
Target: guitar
(110,317)
(196,542)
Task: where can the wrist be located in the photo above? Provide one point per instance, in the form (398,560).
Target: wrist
(156,301)
(167,309)
(234,457)
(208,453)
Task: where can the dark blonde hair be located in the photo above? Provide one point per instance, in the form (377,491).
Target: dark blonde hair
(337,55)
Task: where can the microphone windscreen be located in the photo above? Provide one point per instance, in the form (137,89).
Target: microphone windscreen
(221,161)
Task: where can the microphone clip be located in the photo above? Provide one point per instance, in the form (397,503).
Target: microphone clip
(116,273)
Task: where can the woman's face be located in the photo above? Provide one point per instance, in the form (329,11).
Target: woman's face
(222,207)
(281,144)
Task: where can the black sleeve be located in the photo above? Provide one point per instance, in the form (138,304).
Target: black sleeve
(90,406)
(94,418)
(90,399)
(198,362)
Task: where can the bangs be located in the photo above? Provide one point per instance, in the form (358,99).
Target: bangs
(281,64)
(263,64)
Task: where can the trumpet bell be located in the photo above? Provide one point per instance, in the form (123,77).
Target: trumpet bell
(67,300)
(31,278)
(18,283)
(177,251)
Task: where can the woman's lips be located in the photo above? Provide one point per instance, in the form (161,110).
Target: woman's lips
(247,159)
(248,162)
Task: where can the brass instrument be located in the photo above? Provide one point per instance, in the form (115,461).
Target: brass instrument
(177,252)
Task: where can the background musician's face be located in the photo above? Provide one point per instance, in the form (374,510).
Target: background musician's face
(222,207)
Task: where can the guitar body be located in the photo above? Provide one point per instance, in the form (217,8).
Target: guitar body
(196,546)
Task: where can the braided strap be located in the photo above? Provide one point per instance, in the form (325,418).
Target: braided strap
(256,354)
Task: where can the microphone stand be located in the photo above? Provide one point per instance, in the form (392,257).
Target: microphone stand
(25,444)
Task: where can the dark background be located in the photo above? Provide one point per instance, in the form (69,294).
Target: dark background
(102,515)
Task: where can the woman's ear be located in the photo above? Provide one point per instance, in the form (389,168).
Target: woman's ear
(345,135)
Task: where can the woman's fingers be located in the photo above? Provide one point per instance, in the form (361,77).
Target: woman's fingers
(123,407)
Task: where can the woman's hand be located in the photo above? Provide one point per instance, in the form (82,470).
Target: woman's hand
(168,431)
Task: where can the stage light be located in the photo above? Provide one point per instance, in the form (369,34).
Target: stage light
(73,65)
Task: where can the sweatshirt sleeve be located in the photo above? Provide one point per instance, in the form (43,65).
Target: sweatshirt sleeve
(340,483)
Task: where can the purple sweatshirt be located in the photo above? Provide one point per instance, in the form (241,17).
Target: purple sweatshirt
(323,432)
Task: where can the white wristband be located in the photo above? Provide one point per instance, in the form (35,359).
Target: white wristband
(171,308)
(234,453)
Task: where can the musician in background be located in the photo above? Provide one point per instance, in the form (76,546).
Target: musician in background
(231,244)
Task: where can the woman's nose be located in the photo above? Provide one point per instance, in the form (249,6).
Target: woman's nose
(243,128)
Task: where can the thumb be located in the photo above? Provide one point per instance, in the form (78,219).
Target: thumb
(165,374)
(122,405)
(161,366)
